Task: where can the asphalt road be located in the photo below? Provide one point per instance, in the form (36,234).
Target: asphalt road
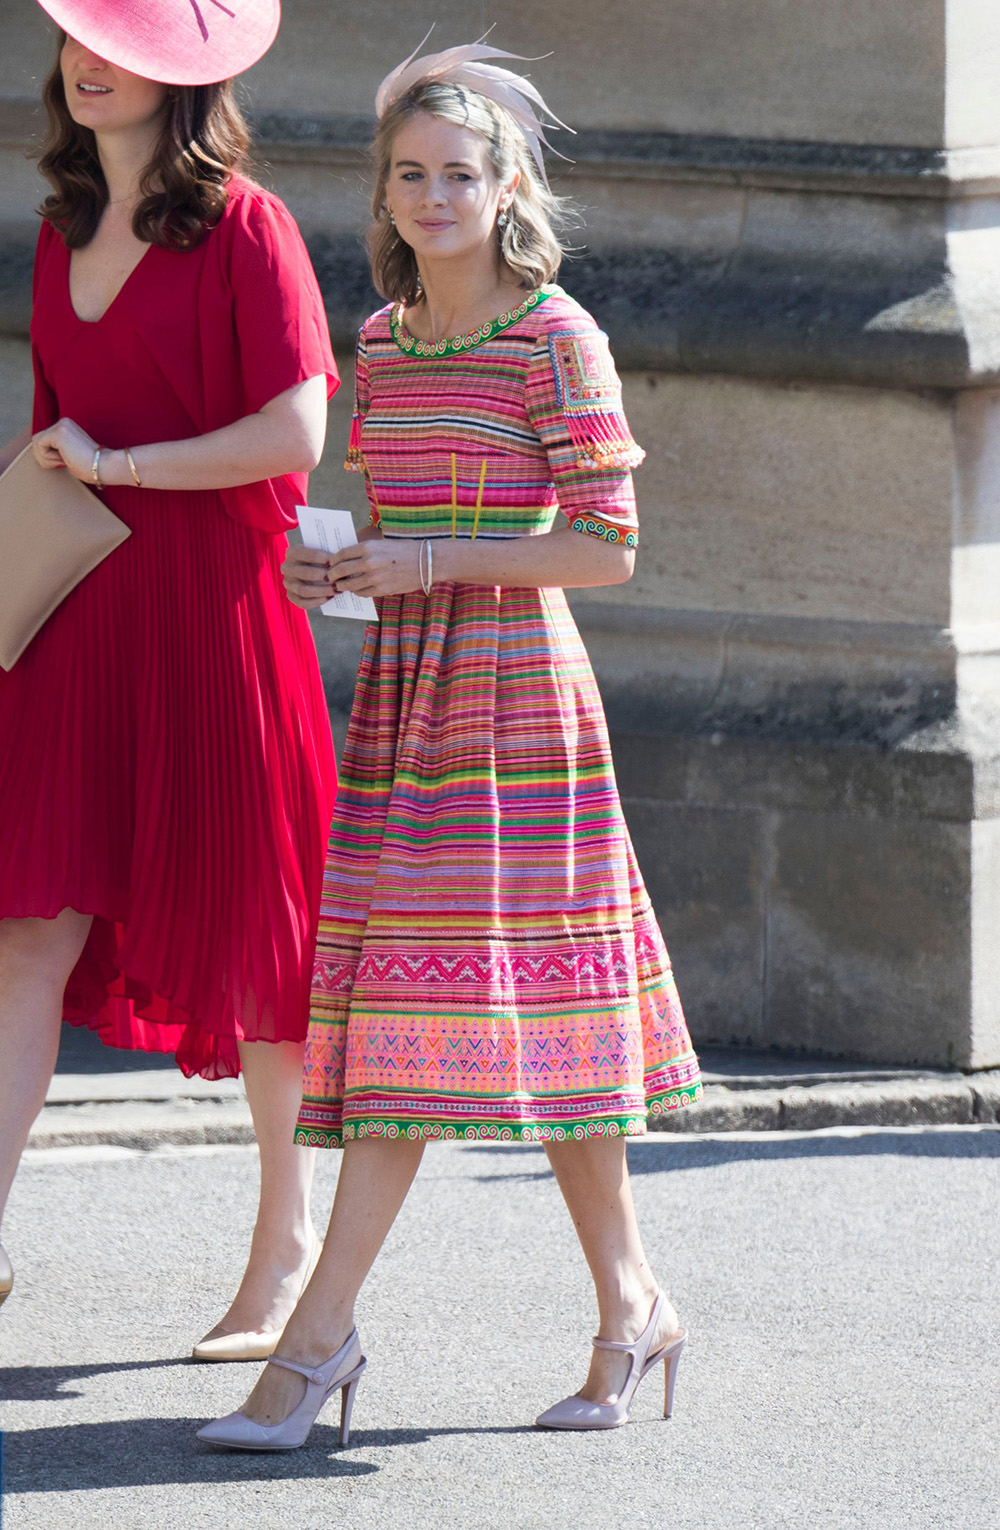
(841,1292)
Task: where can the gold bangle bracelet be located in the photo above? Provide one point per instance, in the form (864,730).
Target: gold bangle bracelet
(133,469)
(95,470)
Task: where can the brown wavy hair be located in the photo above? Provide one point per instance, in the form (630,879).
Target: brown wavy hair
(205,140)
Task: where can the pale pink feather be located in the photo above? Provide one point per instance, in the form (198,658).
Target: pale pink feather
(464,66)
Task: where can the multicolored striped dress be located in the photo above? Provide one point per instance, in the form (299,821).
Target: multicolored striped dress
(488,964)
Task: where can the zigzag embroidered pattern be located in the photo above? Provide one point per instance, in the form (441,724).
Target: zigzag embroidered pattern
(475,968)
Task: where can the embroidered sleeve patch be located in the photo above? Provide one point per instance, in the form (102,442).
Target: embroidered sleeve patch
(589,396)
(606,530)
(585,378)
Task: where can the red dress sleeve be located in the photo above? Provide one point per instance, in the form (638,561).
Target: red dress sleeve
(279,332)
(46,407)
(280,320)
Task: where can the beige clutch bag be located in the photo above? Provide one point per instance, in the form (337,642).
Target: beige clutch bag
(53,531)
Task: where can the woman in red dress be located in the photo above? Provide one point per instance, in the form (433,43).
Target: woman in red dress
(167,774)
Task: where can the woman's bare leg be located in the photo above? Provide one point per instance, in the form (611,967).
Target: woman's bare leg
(283,1236)
(593,1177)
(374,1178)
(36,959)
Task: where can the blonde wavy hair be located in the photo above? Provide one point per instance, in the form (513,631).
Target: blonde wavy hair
(531,245)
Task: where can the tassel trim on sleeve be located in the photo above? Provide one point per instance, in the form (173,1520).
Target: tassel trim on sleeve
(604,441)
(354,461)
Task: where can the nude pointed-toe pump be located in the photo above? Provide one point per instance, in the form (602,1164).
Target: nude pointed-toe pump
(576,1413)
(249,1345)
(6,1276)
(341,1372)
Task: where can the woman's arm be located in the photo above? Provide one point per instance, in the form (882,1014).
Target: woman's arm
(391,565)
(286,436)
(14,448)
(562,557)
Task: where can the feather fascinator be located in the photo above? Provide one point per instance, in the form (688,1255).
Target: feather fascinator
(464,66)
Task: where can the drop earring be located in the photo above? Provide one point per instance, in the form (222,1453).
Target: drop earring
(503,218)
(392,217)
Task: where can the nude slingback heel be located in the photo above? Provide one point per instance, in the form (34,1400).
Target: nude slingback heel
(341,1372)
(576,1413)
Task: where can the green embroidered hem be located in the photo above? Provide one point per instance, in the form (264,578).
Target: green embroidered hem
(493,1131)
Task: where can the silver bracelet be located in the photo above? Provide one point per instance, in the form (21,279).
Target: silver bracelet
(427,581)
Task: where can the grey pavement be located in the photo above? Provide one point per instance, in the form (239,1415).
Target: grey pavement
(101,1095)
(840,1290)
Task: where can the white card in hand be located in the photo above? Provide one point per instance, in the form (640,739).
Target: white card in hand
(333,530)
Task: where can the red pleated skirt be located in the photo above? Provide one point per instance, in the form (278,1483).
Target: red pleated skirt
(166,766)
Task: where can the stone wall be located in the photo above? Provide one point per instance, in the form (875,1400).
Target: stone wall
(792,236)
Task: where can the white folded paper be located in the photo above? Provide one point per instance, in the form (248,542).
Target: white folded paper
(333,530)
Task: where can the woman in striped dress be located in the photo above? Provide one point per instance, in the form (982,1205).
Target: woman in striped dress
(488,963)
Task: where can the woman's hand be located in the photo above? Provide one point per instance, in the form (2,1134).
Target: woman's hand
(378,566)
(374,567)
(306,572)
(66,445)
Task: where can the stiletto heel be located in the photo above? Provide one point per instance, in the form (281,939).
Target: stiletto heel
(576,1413)
(670,1363)
(347,1408)
(341,1372)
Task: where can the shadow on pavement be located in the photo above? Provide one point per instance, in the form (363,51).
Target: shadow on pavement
(663,1154)
(46,1383)
(161,1452)
(156,1452)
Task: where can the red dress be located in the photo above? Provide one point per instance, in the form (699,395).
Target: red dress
(166,762)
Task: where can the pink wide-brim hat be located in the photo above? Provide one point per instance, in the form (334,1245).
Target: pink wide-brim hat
(178,42)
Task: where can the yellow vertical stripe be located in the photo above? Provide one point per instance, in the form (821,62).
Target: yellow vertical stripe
(479,499)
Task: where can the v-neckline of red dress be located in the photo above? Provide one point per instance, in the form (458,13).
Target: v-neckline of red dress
(92,323)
